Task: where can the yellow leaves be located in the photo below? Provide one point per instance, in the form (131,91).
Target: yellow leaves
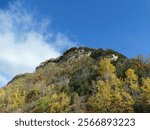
(128,102)
(122,101)
(146,84)
(146,93)
(106,69)
(54,103)
(59,102)
(132,79)
(111,96)
(134,87)
(108,99)
(15,100)
(2,97)
(103,87)
(2,94)
(131,76)
(101,101)
(45,91)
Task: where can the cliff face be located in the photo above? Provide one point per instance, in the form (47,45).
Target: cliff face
(69,78)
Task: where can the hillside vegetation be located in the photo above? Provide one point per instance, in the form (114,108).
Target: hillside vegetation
(81,80)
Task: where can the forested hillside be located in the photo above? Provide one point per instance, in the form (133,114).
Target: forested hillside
(81,80)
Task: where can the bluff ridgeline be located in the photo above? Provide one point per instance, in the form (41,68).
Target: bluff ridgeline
(81,80)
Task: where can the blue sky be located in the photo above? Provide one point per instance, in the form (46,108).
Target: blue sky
(122,25)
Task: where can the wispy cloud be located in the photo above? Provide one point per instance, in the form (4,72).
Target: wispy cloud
(25,41)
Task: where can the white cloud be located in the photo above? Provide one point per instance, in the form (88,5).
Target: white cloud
(25,41)
(3,80)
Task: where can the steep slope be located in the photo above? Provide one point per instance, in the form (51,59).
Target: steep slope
(63,84)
